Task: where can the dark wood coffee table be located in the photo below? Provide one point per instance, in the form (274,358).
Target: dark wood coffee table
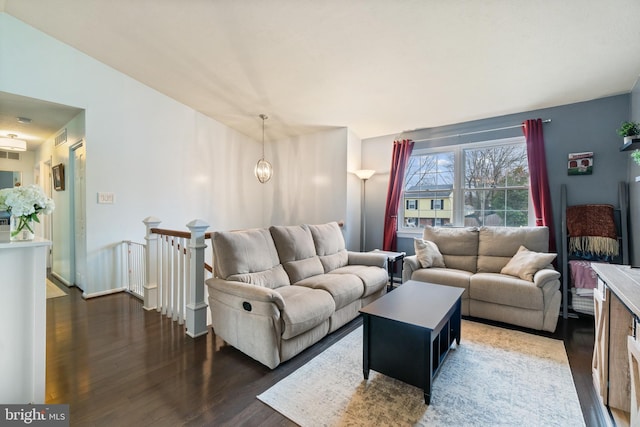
(408,332)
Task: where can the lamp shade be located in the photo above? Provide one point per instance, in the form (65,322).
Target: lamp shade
(12,144)
(365,173)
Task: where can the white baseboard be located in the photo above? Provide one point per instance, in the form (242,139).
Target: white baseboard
(102,293)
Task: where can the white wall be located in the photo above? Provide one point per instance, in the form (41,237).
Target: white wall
(351,228)
(158,156)
(376,155)
(309,184)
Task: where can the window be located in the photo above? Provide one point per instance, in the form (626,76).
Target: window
(483,183)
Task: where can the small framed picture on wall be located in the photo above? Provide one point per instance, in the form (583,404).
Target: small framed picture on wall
(58,177)
(580,163)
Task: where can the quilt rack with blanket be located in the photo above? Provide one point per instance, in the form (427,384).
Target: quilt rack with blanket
(590,233)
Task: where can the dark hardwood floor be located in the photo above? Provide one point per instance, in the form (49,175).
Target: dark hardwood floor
(116,364)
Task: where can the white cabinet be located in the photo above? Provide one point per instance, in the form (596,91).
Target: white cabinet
(23,307)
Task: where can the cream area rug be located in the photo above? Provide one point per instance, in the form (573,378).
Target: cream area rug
(495,377)
(53,291)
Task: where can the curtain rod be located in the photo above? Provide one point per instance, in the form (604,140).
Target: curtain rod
(475,132)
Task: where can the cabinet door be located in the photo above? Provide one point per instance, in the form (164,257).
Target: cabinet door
(620,327)
(634,366)
(600,363)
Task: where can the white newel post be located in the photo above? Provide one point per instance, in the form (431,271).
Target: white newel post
(196,305)
(151,264)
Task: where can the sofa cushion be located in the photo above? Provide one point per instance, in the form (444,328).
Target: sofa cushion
(526,263)
(447,277)
(373,278)
(505,290)
(428,253)
(337,260)
(293,242)
(330,245)
(304,268)
(243,252)
(458,245)
(327,238)
(343,288)
(273,278)
(497,245)
(305,308)
(444,276)
(297,251)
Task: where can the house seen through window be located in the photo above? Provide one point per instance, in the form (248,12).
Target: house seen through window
(484,183)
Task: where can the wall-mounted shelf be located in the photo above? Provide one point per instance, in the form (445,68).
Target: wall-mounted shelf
(631,145)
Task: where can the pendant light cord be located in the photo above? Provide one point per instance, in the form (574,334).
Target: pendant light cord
(263,117)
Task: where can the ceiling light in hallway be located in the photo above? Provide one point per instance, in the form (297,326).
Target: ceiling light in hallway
(10,143)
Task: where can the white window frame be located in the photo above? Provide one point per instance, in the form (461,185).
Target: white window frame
(458,183)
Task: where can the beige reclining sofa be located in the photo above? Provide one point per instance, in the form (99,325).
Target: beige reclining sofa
(277,291)
(506,272)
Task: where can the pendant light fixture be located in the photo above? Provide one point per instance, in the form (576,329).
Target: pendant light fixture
(10,143)
(263,169)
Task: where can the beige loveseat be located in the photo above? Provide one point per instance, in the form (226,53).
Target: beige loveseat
(277,291)
(473,258)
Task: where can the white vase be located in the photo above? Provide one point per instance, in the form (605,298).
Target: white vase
(21,229)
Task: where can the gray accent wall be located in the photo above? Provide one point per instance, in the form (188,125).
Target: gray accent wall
(584,126)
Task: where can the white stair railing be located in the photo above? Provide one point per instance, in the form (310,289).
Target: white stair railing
(175,272)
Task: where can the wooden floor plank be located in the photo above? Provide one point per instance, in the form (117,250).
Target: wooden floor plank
(119,365)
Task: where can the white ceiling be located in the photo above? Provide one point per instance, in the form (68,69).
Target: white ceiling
(375,66)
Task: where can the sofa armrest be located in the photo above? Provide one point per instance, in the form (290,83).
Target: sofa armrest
(246,291)
(409,265)
(544,276)
(367,258)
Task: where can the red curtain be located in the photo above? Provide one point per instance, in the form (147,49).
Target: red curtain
(400,158)
(538,177)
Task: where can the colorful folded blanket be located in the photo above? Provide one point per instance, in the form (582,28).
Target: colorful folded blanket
(592,230)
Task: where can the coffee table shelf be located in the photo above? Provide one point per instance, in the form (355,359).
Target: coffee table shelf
(408,332)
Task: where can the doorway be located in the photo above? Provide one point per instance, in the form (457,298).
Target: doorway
(77,160)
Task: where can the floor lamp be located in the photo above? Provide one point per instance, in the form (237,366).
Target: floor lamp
(364,175)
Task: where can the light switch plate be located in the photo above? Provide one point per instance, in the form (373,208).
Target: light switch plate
(106,198)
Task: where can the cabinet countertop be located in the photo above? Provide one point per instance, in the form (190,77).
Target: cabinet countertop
(22,244)
(624,281)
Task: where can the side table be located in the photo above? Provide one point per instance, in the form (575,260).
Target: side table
(392,258)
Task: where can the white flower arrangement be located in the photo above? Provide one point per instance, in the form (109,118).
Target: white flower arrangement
(25,203)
